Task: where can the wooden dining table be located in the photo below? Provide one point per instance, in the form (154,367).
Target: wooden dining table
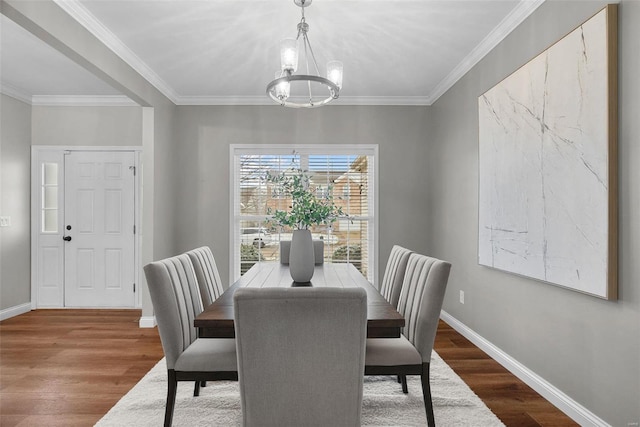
(383,320)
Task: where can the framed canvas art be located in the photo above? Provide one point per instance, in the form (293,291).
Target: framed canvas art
(548,164)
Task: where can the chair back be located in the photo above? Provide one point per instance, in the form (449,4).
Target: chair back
(425,282)
(394,274)
(207,274)
(176,302)
(301,355)
(318,250)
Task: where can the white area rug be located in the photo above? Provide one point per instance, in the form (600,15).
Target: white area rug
(384,404)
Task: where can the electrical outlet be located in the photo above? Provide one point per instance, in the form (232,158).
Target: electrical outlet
(461,297)
(5,221)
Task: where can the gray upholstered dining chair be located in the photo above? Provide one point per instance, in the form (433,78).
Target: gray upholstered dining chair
(176,302)
(209,283)
(207,274)
(318,250)
(420,303)
(394,274)
(301,355)
(392,283)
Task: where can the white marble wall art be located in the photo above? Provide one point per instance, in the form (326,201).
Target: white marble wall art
(546,168)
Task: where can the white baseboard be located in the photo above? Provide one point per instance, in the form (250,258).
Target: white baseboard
(566,404)
(16,310)
(147,322)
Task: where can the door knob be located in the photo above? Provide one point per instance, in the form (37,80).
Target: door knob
(67,238)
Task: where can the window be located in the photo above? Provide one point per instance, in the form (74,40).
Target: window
(49,194)
(348,172)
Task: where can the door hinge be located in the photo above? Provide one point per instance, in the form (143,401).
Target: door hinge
(133,168)
(134,288)
(134,229)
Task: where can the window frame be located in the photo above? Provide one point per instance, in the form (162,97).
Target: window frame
(235,218)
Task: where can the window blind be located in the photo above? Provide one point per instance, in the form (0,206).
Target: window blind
(346,172)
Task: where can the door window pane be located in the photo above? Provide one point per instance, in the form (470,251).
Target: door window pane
(50,197)
(50,221)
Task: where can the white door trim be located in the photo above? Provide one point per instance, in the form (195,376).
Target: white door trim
(36,151)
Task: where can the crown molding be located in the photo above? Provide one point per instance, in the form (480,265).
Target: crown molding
(85,18)
(383,100)
(14,92)
(83,101)
(504,28)
(264,100)
(67,101)
(223,100)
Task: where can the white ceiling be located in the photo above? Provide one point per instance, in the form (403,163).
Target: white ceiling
(221,52)
(34,72)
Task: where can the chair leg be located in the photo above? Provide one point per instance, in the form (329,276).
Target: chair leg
(203,383)
(426,390)
(171,397)
(403,381)
(196,389)
(399,380)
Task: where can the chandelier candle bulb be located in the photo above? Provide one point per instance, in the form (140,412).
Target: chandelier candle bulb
(289,55)
(334,72)
(282,89)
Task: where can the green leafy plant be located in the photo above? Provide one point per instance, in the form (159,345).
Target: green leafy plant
(249,253)
(306,209)
(354,252)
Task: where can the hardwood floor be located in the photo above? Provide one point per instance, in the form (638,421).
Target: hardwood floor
(514,402)
(68,367)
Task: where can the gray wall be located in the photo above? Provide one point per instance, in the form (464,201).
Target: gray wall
(85,126)
(22,126)
(57,28)
(91,126)
(166,186)
(15,255)
(205,133)
(124,126)
(586,347)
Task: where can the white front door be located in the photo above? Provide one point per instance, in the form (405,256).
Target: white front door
(98,227)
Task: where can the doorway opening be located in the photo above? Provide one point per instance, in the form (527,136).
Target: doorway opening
(85,207)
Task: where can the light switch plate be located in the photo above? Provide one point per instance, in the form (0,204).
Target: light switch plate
(5,221)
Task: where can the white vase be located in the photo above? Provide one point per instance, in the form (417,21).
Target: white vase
(301,257)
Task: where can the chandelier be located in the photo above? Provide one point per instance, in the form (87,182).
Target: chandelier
(326,89)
